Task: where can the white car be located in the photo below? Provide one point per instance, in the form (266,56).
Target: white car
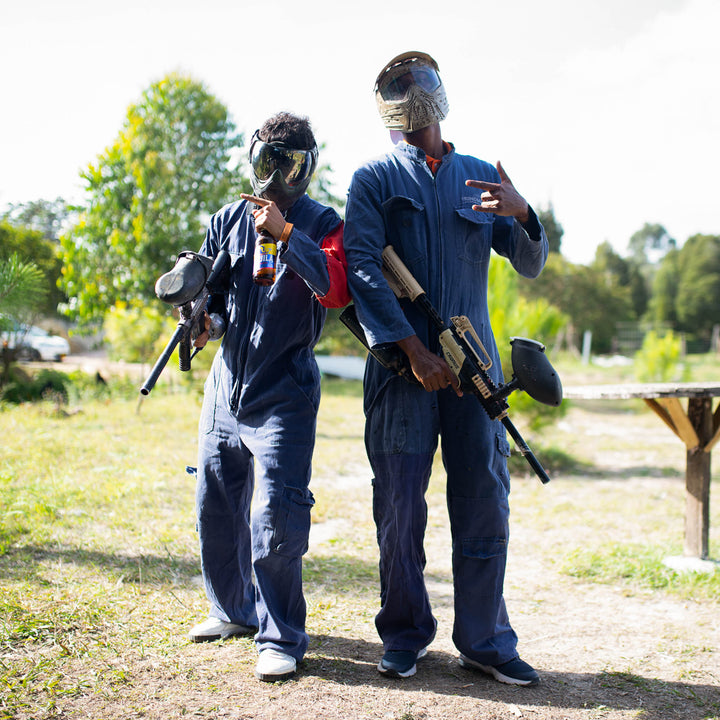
(34,343)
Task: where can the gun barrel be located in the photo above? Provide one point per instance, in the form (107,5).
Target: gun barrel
(162,361)
(526,452)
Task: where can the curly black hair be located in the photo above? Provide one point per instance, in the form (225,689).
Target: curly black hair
(292,130)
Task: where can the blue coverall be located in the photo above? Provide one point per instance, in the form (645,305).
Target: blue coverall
(257,427)
(446,245)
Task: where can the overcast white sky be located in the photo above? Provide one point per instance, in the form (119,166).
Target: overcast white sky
(607,109)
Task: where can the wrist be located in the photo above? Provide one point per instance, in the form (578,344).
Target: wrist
(411,346)
(285,235)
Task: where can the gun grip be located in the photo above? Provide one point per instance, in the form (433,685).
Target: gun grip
(184,354)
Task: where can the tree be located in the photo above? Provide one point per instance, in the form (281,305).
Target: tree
(31,246)
(650,244)
(150,194)
(625,275)
(320,186)
(585,296)
(22,292)
(512,315)
(46,216)
(696,304)
(553,229)
(666,282)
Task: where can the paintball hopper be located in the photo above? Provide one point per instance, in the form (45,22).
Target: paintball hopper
(186,280)
(533,373)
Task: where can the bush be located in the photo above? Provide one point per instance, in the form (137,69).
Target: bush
(136,333)
(658,360)
(47,384)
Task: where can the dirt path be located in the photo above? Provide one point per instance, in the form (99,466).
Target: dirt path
(610,651)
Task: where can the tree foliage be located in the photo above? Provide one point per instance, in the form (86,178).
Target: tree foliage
(32,248)
(512,315)
(22,288)
(687,286)
(553,229)
(593,301)
(149,195)
(696,304)
(623,274)
(46,216)
(650,244)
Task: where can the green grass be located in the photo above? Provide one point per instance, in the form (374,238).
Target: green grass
(98,552)
(641,567)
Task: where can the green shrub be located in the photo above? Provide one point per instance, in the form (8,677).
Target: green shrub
(136,333)
(46,385)
(659,359)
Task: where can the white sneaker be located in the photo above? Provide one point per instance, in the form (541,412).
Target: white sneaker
(214,629)
(273,665)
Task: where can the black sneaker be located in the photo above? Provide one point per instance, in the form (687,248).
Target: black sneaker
(400,663)
(513,672)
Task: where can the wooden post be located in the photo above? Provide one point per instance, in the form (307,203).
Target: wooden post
(697,480)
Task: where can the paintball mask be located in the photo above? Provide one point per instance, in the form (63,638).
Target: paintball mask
(410,94)
(280,173)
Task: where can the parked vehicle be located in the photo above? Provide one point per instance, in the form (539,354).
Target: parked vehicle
(34,343)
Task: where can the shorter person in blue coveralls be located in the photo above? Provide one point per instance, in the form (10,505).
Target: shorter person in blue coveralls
(257,427)
(443,212)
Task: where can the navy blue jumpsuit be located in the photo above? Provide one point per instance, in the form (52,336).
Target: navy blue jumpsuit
(446,245)
(257,427)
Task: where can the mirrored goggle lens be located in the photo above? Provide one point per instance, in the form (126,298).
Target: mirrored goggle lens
(422,76)
(294,165)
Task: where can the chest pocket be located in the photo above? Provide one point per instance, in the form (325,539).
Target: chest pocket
(474,236)
(405,227)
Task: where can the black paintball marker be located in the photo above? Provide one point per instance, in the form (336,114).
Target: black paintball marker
(532,371)
(188,287)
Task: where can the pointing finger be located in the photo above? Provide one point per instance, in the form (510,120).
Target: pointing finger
(253,199)
(482,185)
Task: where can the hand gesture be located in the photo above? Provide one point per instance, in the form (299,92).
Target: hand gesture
(500,198)
(267,216)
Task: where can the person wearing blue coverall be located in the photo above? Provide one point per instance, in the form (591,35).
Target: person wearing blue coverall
(443,213)
(257,427)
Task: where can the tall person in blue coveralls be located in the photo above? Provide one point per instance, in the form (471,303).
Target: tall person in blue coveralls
(257,426)
(443,212)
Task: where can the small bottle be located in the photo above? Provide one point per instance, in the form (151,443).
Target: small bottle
(264,259)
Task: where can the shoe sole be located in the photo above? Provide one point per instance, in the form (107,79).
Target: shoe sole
(203,638)
(267,677)
(220,636)
(490,670)
(389,672)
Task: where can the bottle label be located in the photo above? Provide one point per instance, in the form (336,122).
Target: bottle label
(265,256)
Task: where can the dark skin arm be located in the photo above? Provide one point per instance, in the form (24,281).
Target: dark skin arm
(432,371)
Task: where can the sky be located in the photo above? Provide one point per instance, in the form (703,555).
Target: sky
(608,111)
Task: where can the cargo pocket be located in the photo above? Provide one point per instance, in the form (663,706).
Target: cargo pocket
(484,548)
(475,238)
(405,222)
(292,525)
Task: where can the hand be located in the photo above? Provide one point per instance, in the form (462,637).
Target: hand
(267,216)
(500,198)
(202,339)
(432,371)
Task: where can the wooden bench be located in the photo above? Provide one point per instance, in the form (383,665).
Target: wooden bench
(698,428)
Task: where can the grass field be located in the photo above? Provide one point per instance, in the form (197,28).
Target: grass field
(99,563)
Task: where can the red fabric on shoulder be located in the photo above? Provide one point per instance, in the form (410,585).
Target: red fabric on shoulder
(332,245)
